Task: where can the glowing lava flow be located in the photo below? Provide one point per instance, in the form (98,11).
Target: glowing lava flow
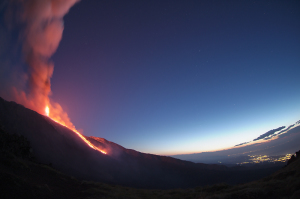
(47,111)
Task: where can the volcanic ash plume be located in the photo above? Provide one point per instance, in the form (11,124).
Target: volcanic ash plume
(42,22)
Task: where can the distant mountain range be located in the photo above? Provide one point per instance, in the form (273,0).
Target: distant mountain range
(55,145)
(279,141)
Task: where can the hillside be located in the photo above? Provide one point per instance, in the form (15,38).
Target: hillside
(22,177)
(58,146)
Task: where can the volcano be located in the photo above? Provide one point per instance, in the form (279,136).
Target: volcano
(60,147)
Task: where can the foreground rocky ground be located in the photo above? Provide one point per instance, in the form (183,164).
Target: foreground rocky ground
(23,177)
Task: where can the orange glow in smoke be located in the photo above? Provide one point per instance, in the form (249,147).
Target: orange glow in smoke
(58,120)
(47,110)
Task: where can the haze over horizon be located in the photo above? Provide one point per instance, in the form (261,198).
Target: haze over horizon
(171,77)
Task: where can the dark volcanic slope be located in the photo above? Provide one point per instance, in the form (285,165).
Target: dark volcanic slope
(120,153)
(56,144)
(23,178)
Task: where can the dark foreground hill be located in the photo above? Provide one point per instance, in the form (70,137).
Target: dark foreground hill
(22,177)
(58,146)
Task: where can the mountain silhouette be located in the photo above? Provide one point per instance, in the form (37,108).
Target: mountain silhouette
(55,145)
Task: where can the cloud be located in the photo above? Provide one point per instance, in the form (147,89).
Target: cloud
(269,133)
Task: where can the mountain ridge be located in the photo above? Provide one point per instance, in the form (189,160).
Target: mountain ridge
(57,145)
(21,177)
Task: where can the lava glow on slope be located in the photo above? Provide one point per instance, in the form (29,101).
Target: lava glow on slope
(47,112)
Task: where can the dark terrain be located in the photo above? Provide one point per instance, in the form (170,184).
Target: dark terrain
(22,177)
(56,145)
(42,159)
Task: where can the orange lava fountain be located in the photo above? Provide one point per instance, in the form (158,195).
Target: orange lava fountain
(47,112)
(41,32)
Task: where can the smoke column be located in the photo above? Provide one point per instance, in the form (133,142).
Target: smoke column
(40,33)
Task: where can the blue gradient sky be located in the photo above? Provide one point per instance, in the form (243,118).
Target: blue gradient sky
(174,77)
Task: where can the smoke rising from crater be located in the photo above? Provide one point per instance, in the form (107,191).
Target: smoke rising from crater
(40,24)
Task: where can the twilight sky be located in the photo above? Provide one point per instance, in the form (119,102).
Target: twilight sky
(175,77)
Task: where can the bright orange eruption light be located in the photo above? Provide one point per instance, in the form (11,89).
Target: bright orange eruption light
(47,111)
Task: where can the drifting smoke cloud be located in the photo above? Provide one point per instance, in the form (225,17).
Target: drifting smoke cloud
(41,28)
